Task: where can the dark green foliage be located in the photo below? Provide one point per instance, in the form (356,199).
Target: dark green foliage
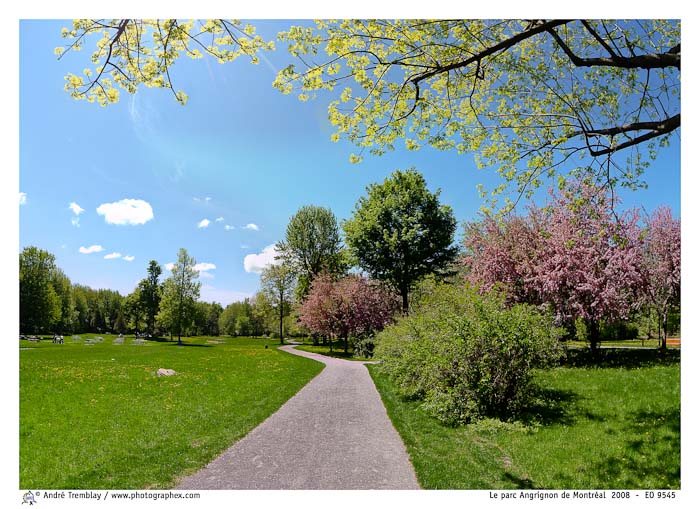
(312,245)
(39,303)
(150,294)
(466,355)
(400,233)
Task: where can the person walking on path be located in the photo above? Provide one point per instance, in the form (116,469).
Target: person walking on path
(334,434)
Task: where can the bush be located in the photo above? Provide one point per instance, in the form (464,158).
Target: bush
(364,347)
(467,356)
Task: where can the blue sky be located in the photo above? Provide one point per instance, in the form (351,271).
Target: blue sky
(220,177)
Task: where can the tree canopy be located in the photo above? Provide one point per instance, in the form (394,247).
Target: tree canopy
(400,232)
(277,284)
(311,245)
(180,294)
(530,98)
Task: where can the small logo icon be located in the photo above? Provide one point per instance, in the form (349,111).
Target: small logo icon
(28,498)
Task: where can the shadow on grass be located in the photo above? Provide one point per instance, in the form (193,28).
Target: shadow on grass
(653,456)
(521,483)
(549,406)
(620,358)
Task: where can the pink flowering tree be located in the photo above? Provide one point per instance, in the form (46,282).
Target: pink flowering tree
(350,307)
(502,252)
(662,266)
(590,262)
(576,255)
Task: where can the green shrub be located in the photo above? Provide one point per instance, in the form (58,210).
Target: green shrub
(466,355)
(364,346)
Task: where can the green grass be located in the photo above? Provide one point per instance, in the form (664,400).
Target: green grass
(98,417)
(614,427)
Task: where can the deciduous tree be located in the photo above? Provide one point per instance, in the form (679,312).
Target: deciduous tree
(311,245)
(150,294)
(277,284)
(351,306)
(662,265)
(180,293)
(400,232)
(525,96)
(39,305)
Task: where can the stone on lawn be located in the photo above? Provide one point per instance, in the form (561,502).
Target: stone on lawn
(166,372)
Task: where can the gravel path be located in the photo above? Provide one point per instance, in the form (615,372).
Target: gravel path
(334,434)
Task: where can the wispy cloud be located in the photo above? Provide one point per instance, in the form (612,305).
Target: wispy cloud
(128,258)
(251,226)
(95,248)
(126,211)
(204,223)
(169,266)
(22,198)
(228,227)
(77,209)
(204,268)
(257,262)
(206,199)
(219,219)
(112,256)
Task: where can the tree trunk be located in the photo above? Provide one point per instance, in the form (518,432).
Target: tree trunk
(404,300)
(346,343)
(664,330)
(281,318)
(593,335)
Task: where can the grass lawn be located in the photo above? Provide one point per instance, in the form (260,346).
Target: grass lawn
(97,416)
(610,427)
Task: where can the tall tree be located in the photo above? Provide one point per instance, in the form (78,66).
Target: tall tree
(400,232)
(662,265)
(134,310)
(523,95)
(150,294)
(68,318)
(312,244)
(180,293)
(277,284)
(590,264)
(39,305)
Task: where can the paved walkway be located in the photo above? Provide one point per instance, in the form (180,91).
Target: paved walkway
(334,434)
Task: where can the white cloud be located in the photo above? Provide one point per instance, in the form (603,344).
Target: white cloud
(207,199)
(75,222)
(22,198)
(77,209)
(251,226)
(169,266)
(219,219)
(209,293)
(245,246)
(229,227)
(202,268)
(126,211)
(112,256)
(203,223)
(258,262)
(95,248)
(129,258)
